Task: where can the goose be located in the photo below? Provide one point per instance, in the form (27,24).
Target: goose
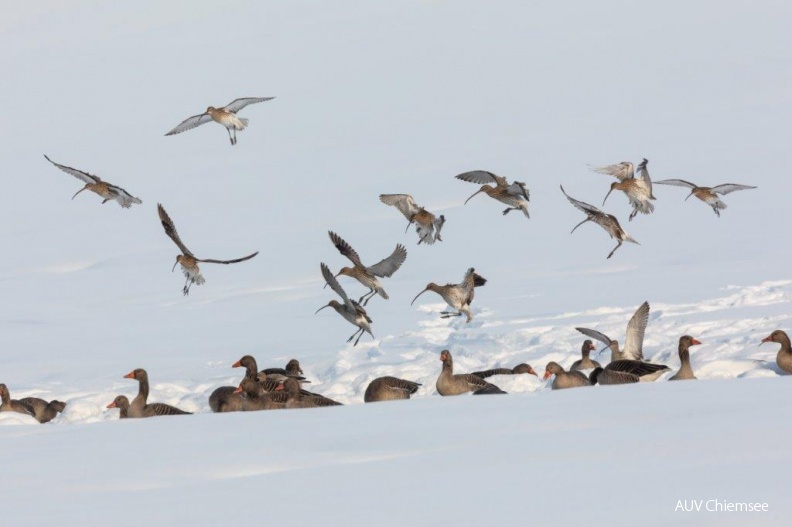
(12,405)
(564,379)
(685,370)
(44,411)
(389,389)
(140,406)
(784,357)
(517,370)
(450,384)
(585,363)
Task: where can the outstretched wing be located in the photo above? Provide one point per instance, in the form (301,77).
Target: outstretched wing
(85,177)
(190,123)
(344,248)
(620,171)
(237,104)
(596,335)
(583,206)
(248,257)
(483,177)
(633,345)
(729,187)
(334,285)
(125,197)
(644,174)
(519,189)
(170,230)
(391,264)
(404,202)
(677,183)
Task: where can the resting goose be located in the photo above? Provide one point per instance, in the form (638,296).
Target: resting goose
(122,403)
(12,405)
(517,370)
(389,389)
(140,407)
(585,363)
(450,384)
(685,372)
(44,411)
(256,399)
(295,398)
(564,379)
(784,357)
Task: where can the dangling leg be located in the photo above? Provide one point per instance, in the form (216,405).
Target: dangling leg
(353,335)
(614,250)
(717,212)
(632,214)
(229,135)
(235,137)
(579,224)
(358,339)
(449,314)
(505,212)
(186,289)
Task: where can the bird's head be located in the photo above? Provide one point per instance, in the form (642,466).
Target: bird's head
(484,188)
(431,286)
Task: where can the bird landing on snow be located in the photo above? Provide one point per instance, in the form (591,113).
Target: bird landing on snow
(458,296)
(227,116)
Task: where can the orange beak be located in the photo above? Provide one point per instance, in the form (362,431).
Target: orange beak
(694,342)
(279,388)
(238,390)
(546,375)
(237,364)
(130,375)
(768,338)
(111,405)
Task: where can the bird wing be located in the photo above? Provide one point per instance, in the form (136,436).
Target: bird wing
(677,183)
(729,187)
(123,194)
(585,207)
(635,367)
(518,189)
(190,123)
(334,285)
(633,345)
(489,373)
(404,202)
(482,177)
(644,174)
(85,177)
(596,335)
(620,171)
(237,260)
(391,264)
(170,230)
(237,104)
(345,249)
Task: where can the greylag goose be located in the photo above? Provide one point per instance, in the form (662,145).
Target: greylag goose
(44,411)
(450,384)
(389,389)
(12,405)
(564,379)
(258,400)
(517,370)
(585,363)
(140,406)
(295,398)
(784,357)
(627,371)
(685,370)
(122,403)
(600,375)
(226,398)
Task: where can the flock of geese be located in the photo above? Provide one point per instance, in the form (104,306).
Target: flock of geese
(276,388)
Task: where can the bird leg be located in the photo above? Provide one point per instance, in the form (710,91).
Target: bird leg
(370,294)
(579,224)
(358,339)
(229,135)
(186,288)
(353,335)
(717,212)
(449,314)
(235,137)
(505,212)
(614,249)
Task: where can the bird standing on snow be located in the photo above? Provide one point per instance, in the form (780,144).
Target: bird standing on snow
(708,195)
(95,184)
(458,296)
(227,116)
(427,225)
(516,195)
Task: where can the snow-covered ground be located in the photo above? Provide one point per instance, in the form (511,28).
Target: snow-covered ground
(389,97)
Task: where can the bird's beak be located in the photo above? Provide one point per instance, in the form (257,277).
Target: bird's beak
(688,196)
(238,390)
(408,227)
(130,375)
(75,194)
(111,405)
(532,372)
(419,294)
(174,266)
(471,197)
(606,196)
(321,308)
(546,376)
(695,342)
(237,364)
(766,339)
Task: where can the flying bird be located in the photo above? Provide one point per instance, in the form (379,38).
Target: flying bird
(515,195)
(638,190)
(458,296)
(368,275)
(187,260)
(606,221)
(427,225)
(633,347)
(227,116)
(95,184)
(708,195)
(352,311)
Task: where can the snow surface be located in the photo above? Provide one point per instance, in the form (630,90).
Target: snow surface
(390,97)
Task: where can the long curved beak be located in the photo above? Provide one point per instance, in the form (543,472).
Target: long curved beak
(606,196)
(471,197)
(408,226)
(688,196)
(174,266)
(419,294)
(321,308)
(75,194)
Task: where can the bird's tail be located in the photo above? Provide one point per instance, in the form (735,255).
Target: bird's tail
(244,122)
